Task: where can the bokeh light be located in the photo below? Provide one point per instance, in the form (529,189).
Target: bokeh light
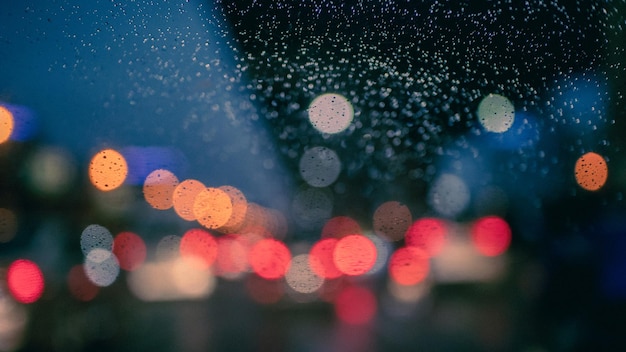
(330,113)
(6,124)
(158,189)
(409,266)
(262,221)
(171,280)
(591,171)
(239,209)
(269,258)
(428,234)
(95,236)
(212,208)
(449,195)
(496,113)
(185,196)
(460,262)
(8,225)
(80,286)
(391,220)
(321,258)
(25,281)
(130,250)
(320,166)
(191,278)
(232,256)
(107,170)
(354,255)
(199,244)
(51,171)
(340,226)
(355,305)
(491,235)
(101,267)
(300,276)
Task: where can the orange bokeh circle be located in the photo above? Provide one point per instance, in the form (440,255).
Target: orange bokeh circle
(108,170)
(591,171)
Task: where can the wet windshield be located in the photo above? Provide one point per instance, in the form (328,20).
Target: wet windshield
(312,175)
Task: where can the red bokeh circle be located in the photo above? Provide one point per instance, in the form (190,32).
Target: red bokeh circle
(491,235)
(25,281)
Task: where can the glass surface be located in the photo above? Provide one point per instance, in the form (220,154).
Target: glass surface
(312,175)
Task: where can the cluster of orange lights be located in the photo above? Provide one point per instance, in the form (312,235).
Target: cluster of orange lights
(224,209)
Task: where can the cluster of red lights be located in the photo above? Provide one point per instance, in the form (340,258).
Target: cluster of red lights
(239,237)
(341,253)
